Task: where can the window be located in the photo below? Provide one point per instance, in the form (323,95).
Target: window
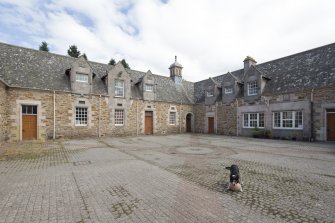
(119,117)
(252,88)
(288,120)
(81,116)
(29,109)
(210,91)
(119,88)
(228,90)
(253,120)
(172,118)
(80,77)
(149,87)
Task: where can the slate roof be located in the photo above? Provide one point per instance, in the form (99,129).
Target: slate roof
(310,69)
(34,69)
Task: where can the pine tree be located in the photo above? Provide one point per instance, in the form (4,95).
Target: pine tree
(73,51)
(125,64)
(111,62)
(44,46)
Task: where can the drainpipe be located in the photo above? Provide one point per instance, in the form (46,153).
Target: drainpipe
(216,118)
(99,123)
(137,117)
(237,117)
(54,132)
(312,116)
(180,118)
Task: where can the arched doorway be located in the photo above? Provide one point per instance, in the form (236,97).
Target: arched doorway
(189,122)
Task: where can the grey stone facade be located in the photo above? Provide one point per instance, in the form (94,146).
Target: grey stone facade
(288,97)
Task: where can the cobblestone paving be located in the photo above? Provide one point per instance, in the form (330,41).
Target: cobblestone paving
(176,178)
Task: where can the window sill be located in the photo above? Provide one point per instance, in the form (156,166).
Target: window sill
(287,128)
(80,125)
(252,127)
(119,125)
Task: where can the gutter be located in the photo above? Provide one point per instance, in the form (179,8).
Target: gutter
(54,113)
(237,117)
(137,117)
(312,137)
(99,123)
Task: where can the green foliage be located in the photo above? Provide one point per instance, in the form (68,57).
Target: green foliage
(73,51)
(256,133)
(44,46)
(261,133)
(112,62)
(268,134)
(125,64)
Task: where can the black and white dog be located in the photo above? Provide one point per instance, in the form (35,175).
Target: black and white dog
(234,178)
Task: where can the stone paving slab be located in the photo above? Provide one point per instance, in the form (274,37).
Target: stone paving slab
(175,178)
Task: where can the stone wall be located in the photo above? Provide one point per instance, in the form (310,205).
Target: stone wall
(199,115)
(323,100)
(66,103)
(3,112)
(226,115)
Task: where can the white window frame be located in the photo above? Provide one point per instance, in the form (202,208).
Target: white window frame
(297,117)
(247,120)
(81,116)
(81,77)
(252,88)
(119,117)
(172,118)
(149,87)
(228,90)
(119,87)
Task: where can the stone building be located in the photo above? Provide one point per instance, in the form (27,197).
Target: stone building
(45,96)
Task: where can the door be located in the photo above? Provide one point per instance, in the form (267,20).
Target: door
(331,126)
(29,122)
(148,126)
(189,123)
(210,125)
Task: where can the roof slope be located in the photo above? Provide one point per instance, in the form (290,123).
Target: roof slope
(306,70)
(29,68)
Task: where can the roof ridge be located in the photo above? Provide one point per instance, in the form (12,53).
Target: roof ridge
(295,54)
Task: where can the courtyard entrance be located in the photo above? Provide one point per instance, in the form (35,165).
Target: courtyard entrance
(189,122)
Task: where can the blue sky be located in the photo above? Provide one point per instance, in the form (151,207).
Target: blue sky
(210,37)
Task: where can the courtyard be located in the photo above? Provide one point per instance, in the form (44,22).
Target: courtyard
(174,178)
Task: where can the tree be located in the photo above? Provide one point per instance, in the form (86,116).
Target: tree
(112,62)
(44,46)
(84,55)
(73,51)
(125,64)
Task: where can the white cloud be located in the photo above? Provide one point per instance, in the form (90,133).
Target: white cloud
(209,37)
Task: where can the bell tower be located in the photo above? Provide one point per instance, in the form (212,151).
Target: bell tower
(176,71)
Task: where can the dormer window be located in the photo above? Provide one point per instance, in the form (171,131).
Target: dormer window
(119,88)
(210,91)
(149,87)
(81,77)
(228,90)
(252,88)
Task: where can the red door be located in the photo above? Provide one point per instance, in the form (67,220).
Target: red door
(29,127)
(29,122)
(148,125)
(210,125)
(331,126)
